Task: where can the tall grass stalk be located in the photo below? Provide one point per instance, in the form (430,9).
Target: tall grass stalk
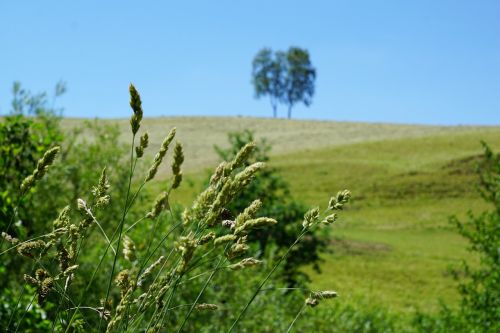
(263,282)
(289,329)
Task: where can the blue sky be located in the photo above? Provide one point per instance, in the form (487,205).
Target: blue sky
(430,62)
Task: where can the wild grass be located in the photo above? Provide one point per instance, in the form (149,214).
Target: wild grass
(160,283)
(389,256)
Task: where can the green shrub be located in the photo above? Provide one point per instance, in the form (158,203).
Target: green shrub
(30,129)
(26,133)
(278,203)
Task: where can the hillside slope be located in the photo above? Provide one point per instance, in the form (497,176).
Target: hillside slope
(200,134)
(394,245)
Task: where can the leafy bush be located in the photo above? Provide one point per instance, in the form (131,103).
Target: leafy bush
(26,133)
(34,320)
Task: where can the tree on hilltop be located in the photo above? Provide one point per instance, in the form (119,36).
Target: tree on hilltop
(268,76)
(286,77)
(300,79)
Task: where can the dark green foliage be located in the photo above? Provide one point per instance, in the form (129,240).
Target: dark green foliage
(286,77)
(447,320)
(31,129)
(25,134)
(278,203)
(300,79)
(481,287)
(268,76)
(34,320)
(85,152)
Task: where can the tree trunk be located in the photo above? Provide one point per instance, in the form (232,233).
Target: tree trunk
(290,111)
(274,106)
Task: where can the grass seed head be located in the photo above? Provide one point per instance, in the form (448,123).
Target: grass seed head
(218,173)
(161,203)
(63,219)
(41,169)
(229,190)
(248,213)
(312,302)
(241,157)
(9,238)
(136,105)
(200,206)
(160,155)
(326,294)
(310,217)
(123,280)
(224,239)
(315,297)
(147,272)
(246,176)
(247,262)
(81,204)
(128,248)
(206,307)
(186,246)
(62,256)
(74,234)
(206,238)
(338,202)
(44,289)
(70,270)
(238,249)
(257,223)
(330,219)
(103,184)
(27,249)
(178,159)
(101,199)
(31,280)
(143,144)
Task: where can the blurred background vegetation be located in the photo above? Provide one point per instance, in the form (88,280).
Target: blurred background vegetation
(396,259)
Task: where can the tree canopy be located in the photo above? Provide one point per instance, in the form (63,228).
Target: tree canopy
(286,77)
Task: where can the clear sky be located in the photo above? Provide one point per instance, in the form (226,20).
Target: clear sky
(431,62)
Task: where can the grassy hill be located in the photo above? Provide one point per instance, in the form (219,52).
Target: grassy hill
(200,134)
(394,245)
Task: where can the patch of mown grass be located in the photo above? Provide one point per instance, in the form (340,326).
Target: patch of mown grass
(200,134)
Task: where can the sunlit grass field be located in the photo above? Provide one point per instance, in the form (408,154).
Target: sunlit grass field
(394,245)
